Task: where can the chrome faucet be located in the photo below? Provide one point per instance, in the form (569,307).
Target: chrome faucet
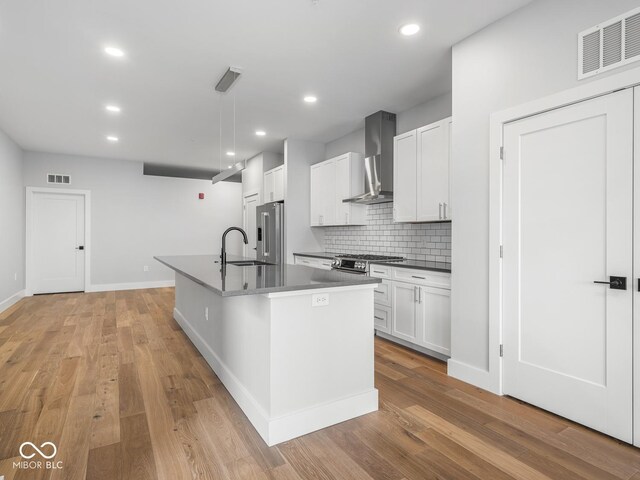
(223,253)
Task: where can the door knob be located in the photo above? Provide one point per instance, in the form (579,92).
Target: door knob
(615,283)
(81,247)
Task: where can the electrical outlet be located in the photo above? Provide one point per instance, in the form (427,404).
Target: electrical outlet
(320,300)
(206,313)
(15,277)
(145,268)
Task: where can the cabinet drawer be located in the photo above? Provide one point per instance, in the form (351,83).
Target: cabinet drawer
(379,271)
(382,318)
(322,263)
(422,277)
(382,293)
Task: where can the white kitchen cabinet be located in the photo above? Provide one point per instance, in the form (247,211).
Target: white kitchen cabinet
(405,316)
(421,174)
(434,313)
(274,184)
(331,182)
(405,161)
(321,263)
(382,318)
(414,306)
(323,193)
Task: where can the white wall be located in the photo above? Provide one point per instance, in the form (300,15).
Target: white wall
(418,116)
(12,220)
(527,55)
(299,155)
(135,217)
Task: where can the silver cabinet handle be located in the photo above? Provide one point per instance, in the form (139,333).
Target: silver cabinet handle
(415,294)
(378,318)
(444,205)
(378,271)
(346,219)
(415,276)
(419,295)
(440,211)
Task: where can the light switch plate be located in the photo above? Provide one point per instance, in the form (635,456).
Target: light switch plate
(320,300)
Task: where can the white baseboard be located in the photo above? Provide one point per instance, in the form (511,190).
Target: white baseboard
(475,376)
(109,287)
(286,427)
(12,300)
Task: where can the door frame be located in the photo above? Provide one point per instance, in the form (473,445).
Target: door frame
(30,192)
(246,195)
(491,379)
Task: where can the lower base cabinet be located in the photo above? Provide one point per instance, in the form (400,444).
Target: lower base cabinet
(419,314)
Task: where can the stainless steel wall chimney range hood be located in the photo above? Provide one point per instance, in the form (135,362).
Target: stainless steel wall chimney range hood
(379,130)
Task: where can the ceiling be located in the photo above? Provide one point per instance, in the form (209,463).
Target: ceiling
(55,79)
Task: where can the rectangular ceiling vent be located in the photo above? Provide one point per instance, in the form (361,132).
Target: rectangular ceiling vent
(57,178)
(609,45)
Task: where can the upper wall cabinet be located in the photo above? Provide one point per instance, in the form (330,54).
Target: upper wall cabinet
(274,184)
(331,182)
(421,174)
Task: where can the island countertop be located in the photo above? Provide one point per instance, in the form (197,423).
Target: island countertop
(234,280)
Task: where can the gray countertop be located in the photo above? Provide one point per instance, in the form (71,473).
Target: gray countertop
(417,264)
(236,280)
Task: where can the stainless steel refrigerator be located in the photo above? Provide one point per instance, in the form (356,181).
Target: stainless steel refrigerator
(270,225)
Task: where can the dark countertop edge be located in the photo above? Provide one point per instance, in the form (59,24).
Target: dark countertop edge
(404,264)
(326,255)
(408,264)
(239,293)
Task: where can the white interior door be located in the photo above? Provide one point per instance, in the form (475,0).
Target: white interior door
(567,222)
(636,267)
(57,243)
(250,203)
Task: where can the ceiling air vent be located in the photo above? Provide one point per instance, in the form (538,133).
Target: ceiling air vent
(609,45)
(57,178)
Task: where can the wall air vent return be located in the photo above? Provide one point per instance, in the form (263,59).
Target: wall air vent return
(609,45)
(57,178)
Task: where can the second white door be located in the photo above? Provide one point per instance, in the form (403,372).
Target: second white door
(57,250)
(567,219)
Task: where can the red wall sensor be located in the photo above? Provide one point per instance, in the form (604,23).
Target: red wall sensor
(201,196)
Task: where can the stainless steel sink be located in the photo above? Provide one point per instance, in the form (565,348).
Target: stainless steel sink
(247,263)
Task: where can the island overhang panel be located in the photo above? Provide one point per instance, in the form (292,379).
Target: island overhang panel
(292,368)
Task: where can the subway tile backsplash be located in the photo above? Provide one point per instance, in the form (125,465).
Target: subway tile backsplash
(416,241)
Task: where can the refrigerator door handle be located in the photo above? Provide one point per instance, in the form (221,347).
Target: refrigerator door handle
(265,234)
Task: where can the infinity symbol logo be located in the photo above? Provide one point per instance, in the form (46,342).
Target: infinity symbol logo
(42,454)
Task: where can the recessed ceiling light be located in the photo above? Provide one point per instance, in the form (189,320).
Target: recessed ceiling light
(409,29)
(112,108)
(310,99)
(114,52)
(112,138)
(261,133)
(231,154)
(229,166)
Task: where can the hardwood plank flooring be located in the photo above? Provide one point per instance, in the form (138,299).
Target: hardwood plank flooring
(113,381)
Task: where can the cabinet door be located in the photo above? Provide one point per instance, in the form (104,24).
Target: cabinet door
(268,187)
(278,184)
(434,306)
(316,200)
(404,177)
(343,189)
(382,318)
(432,171)
(328,193)
(404,322)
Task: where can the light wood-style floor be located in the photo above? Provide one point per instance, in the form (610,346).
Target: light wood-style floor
(111,379)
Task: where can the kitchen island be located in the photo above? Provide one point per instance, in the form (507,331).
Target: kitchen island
(292,344)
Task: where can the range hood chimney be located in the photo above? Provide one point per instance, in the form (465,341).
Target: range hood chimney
(379,130)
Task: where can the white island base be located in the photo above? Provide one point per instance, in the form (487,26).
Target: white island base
(293,368)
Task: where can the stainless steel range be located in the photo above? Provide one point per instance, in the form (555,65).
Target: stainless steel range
(356,263)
